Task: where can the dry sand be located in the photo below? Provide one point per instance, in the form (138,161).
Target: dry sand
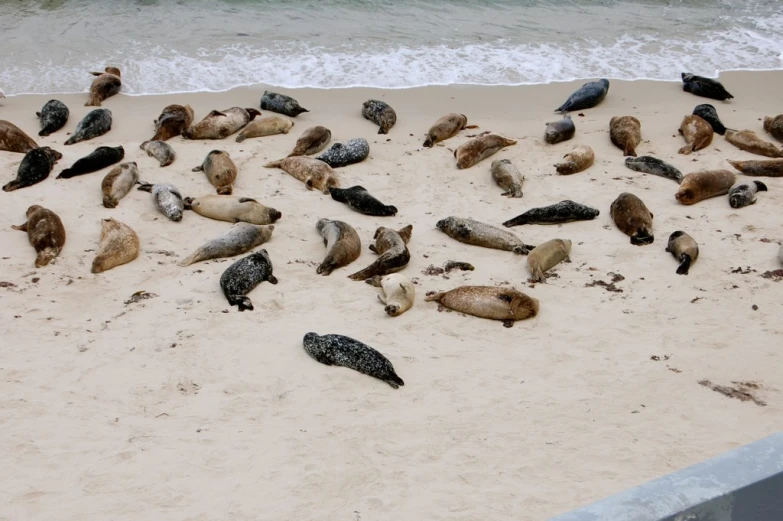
(179,408)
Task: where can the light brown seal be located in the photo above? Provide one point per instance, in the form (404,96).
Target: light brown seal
(494,303)
(697,133)
(312,141)
(219,124)
(220,170)
(118,182)
(684,248)
(397,292)
(748,141)
(579,159)
(446,127)
(107,84)
(312,172)
(625,133)
(477,233)
(478,148)
(232,209)
(265,126)
(761,168)
(13,139)
(633,218)
(343,245)
(119,245)
(391,246)
(704,184)
(774,126)
(507,177)
(172,121)
(546,256)
(46,233)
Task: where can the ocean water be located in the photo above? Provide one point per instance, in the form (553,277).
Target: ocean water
(165,46)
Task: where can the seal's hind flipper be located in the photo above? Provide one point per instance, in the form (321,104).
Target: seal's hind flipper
(685,264)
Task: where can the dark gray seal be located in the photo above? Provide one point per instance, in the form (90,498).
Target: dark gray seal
(744,193)
(562,212)
(704,87)
(708,113)
(586,97)
(53,116)
(684,248)
(558,131)
(240,238)
(100,158)
(379,113)
(94,124)
(36,166)
(654,166)
(477,233)
(359,199)
(344,351)
(167,199)
(348,153)
(281,104)
(243,276)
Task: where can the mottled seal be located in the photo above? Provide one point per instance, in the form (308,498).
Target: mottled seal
(762,168)
(684,248)
(705,87)
(172,121)
(220,170)
(118,182)
(697,133)
(558,213)
(344,154)
(219,124)
(232,209)
(708,113)
(281,104)
(119,245)
(704,184)
(344,351)
(774,126)
(95,123)
(240,238)
(343,245)
(446,127)
(107,84)
(167,198)
(397,293)
(546,256)
(479,148)
(507,177)
(99,158)
(625,133)
(557,131)
(379,113)
(654,166)
(495,303)
(633,218)
(391,246)
(243,276)
(46,233)
(53,116)
(36,166)
(357,198)
(13,139)
(160,150)
(312,141)
(586,97)
(743,193)
(265,126)
(579,159)
(748,141)
(477,233)
(312,172)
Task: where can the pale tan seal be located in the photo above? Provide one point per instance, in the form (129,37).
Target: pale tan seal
(46,233)
(232,209)
(446,127)
(119,245)
(625,133)
(220,170)
(265,126)
(107,84)
(507,177)
(13,139)
(391,246)
(240,238)
(479,148)
(312,141)
(763,168)
(118,182)
(697,133)
(494,303)
(546,256)
(579,159)
(219,124)
(172,121)
(397,293)
(343,245)
(312,172)
(748,141)
(684,248)
(633,218)
(704,184)
(774,126)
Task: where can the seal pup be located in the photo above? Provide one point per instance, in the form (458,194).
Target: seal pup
(546,256)
(53,116)
(343,245)
(313,173)
(563,212)
(558,131)
(774,126)
(705,87)
(494,303)
(748,141)
(243,276)
(586,97)
(281,104)
(45,232)
(96,123)
(625,133)
(344,154)
(479,148)
(507,177)
(265,126)
(312,141)
(683,248)
(172,121)
(232,209)
(13,139)
(446,127)
(240,238)
(397,293)
(633,218)
(743,193)
(379,113)
(107,84)
(167,199)
(391,246)
(344,351)
(357,198)
(653,165)
(763,168)
(36,166)
(160,150)
(697,133)
(219,124)
(704,184)
(477,233)
(579,159)
(119,245)
(118,182)
(220,170)
(708,113)
(99,158)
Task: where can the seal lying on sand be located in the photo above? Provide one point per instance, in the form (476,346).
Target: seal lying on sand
(281,104)
(579,159)
(13,139)
(708,113)
(107,84)
(397,293)
(243,276)
(357,198)
(220,170)
(507,177)
(160,150)
(558,131)
(477,233)
(348,153)
(494,303)
(99,158)
(705,87)
(36,166)
(684,248)
(546,256)
(379,113)
(312,141)
(697,133)
(265,126)
(232,209)
(625,133)
(391,246)
(172,121)
(312,172)
(94,124)
(343,245)
(240,238)
(654,166)
(633,218)
(558,213)
(763,168)
(46,233)
(479,148)
(119,245)
(446,127)
(748,141)
(744,193)
(586,97)
(704,184)
(774,126)
(219,124)
(167,199)
(53,116)
(118,182)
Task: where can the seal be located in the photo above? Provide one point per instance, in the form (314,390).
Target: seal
(397,293)
(265,126)
(558,131)
(704,184)
(391,246)
(586,97)
(494,303)
(625,133)
(774,126)
(312,172)
(281,104)
(46,233)
(744,193)
(697,133)
(243,276)
(579,159)
(507,177)
(53,116)
(379,113)
(684,248)
(240,238)
(219,124)
(107,84)
(563,212)
(344,351)
(748,141)
(705,87)
(118,182)
(546,256)
(220,170)
(36,166)
(477,233)
(13,139)
(633,218)
(446,127)
(352,151)
(358,199)
(99,158)
(167,199)
(343,245)
(312,141)
(172,121)
(708,113)
(764,168)
(479,148)
(653,165)
(232,209)
(160,150)
(96,123)
(119,245)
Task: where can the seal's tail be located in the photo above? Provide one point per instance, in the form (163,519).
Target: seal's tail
(144,187)
(435,297)
(685,264)
(394,380)
(524,249)
(274,164)
(241,301)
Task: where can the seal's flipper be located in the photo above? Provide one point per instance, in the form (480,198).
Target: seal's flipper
(685,264)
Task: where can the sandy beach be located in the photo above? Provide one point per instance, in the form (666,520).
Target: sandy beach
(181,408)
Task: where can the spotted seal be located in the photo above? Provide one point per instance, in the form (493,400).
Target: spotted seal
(53,116)
(697,133)
(357,198)
(312,141)
(558,131)
(625,133)
(683,248)
(265,126)
(46,234)
(743,193)
(107,84)
(446,127)
(748,141)
(118,182)
(96,123)
(546,256)
(13,139)
(774,126)
(219,124)
(281,104)
(99,158)
(477,233)
(708,113)
(704,184)
(480,148)
(379,113)
(762,168)
(494,303)
(705,87)
(220,170)
(653,165)
(397,293)
(240,238)
(391,246)
(36,166)
(507,177)
(343,245)
(313,173)
(558,213)
(172,121)
(160,150)
(232,209)
(586,97)
(119,245)
(243,276)
(579,159)
(633,218)
(167,199)
(344,154)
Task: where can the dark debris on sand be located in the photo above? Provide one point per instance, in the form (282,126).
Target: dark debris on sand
(138,296)
(608,286)
(742,391)
(776,275)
